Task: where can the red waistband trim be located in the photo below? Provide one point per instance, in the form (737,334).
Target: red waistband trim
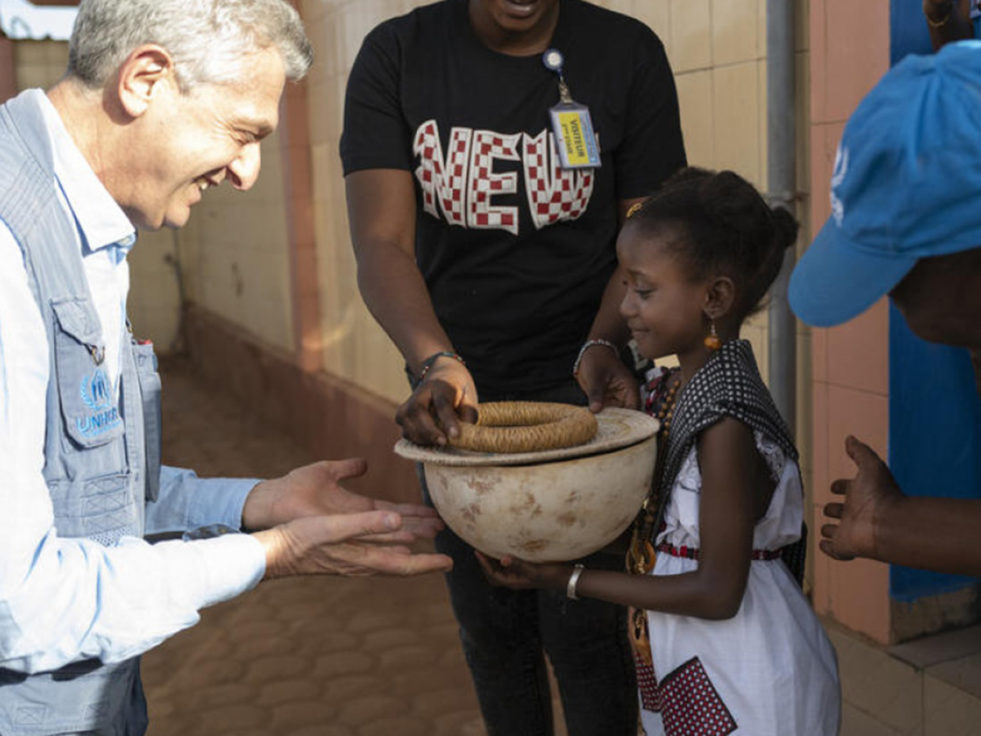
(692,552)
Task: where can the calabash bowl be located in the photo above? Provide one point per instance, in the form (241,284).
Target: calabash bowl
(555,505)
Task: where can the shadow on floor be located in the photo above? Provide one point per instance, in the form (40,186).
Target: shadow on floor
(300,657)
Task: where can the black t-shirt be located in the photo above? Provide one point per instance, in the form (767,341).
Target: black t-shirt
(516,252)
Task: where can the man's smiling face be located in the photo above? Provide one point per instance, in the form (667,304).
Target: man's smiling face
(199,139)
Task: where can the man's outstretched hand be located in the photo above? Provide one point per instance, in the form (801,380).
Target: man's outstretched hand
(341,545)
(315,490)
(311,525)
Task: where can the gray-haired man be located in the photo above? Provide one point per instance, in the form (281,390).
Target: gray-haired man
(163,99)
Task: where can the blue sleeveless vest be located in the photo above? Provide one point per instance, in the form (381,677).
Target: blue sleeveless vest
(95,445)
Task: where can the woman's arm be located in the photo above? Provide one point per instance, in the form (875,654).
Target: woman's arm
(736,490)
(381,208)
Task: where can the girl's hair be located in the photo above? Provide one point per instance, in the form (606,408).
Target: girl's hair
(724,228)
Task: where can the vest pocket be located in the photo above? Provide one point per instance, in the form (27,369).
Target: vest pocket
(88,400)
(87,698)
(99,508)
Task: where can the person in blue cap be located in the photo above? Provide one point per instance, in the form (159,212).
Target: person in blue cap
(905,221)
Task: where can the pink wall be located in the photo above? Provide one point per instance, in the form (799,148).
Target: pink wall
(298,184)
(849,52)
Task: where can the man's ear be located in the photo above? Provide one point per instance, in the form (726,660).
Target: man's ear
(719,298)
(145,73)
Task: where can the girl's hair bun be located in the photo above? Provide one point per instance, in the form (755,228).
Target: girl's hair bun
(785,228)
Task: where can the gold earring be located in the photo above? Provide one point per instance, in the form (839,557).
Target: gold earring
(712,341)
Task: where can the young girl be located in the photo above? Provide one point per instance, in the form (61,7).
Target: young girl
(724,640)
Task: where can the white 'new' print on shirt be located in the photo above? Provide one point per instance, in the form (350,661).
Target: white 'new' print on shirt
(463,183)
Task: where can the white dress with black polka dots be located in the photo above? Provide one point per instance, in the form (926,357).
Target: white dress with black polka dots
(768,671)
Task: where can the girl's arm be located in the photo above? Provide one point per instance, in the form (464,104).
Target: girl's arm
(603,377)
(736,490)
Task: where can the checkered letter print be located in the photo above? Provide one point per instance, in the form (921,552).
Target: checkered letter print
(462,183)
(484,183)
(690,704)
(443,180)
(553,193)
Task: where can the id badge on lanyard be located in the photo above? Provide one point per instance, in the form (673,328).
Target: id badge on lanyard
(572,124)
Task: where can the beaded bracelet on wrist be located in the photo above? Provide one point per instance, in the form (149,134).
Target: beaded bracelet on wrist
(586,346)
(429,362)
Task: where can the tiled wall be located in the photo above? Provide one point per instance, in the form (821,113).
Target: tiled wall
(850,362)
(39,63)
(354,346)
(234,254)
(718,51)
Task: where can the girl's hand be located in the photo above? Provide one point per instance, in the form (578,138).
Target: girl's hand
(510,572)
(606,381)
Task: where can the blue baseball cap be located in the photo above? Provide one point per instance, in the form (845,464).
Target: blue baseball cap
(906,185)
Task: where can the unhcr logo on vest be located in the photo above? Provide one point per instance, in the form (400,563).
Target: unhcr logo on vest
(98,395)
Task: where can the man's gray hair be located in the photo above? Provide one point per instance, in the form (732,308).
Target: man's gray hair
(207,39)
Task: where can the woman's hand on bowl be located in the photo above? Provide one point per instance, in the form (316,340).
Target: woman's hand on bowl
(444,398)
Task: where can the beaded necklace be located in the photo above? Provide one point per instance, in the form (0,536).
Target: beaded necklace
(640,554)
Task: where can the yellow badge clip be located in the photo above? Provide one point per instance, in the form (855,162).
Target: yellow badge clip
(572,124)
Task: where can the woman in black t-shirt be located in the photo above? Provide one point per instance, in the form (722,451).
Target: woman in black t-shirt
(473,241)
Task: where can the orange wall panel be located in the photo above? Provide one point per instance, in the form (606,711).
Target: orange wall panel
(849,43)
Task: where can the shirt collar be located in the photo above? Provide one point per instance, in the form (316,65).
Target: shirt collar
(100,220)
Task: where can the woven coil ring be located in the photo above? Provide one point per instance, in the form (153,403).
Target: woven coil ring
(526,426)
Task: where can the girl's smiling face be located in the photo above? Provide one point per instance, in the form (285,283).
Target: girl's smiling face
(663,305)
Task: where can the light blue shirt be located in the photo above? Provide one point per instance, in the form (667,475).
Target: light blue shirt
(63,600)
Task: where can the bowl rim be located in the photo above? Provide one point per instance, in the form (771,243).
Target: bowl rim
(617,428)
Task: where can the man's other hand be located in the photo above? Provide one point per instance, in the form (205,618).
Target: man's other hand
(342,545)
(315,490)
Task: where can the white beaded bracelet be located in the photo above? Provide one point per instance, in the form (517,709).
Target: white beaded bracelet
(586,346)
(570,587)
